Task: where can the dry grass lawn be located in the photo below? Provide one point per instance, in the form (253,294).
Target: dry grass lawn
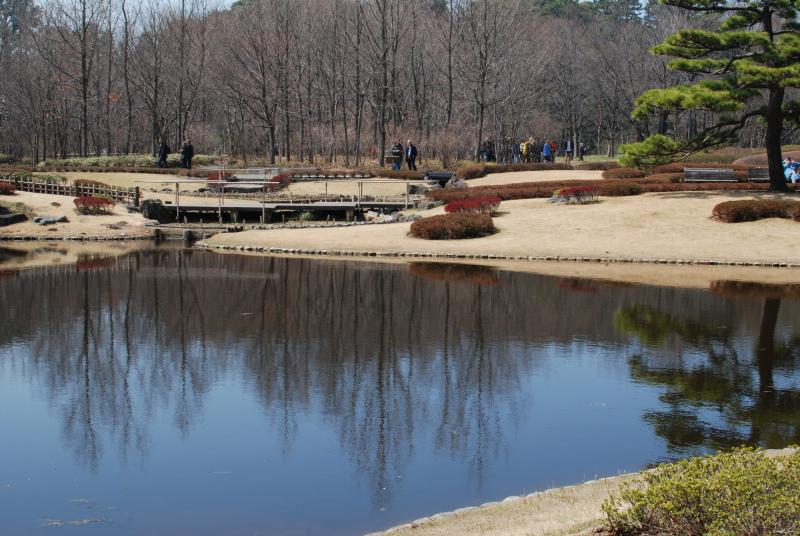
(652,226)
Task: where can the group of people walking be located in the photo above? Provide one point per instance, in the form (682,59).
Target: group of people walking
(399,153)
(530,150)
(187,153)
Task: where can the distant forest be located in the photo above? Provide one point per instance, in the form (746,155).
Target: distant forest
(332,80)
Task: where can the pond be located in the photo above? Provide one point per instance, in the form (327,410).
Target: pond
(177,391)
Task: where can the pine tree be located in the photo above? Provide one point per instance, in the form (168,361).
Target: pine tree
(745,68)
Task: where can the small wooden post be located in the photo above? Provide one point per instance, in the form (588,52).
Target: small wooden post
(219,203)
(407,193)
(177,203)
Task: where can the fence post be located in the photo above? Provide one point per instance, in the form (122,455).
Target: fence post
(136,197)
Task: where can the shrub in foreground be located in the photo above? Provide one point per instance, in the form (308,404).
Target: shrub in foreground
(486,205)
(93,205)
(453,226)
(756,209)
(623,173)
(736,493)
(7,188)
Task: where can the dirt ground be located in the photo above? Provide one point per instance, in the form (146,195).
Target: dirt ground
(127,224)
(653,226)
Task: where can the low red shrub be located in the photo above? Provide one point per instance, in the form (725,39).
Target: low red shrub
(623,173)
(579,195)
(756,209)
(478,204)
(403,174)
(453,226)
(93,205)
(7,188)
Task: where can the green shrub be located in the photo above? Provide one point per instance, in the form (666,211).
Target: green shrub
(306,215)
(453,226)
(623,173)
(743,492)
(756,209)
(6,158)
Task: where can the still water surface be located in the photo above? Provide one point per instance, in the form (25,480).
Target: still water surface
(186,392)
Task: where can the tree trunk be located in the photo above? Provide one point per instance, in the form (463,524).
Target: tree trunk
(777,182)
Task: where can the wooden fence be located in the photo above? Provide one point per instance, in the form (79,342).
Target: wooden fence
(48,186)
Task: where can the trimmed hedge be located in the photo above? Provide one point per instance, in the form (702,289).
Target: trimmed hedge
(735,493)
(756,209)
(6,158)
(88,183)
(453,226)
(623,173)
(596,166)
(486,205)
(577,195)
(481,170)
(133,160)
(534,190)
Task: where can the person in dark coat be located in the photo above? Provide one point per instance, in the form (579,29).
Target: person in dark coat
(397,155)
(411,156)
(187,153)
(163,152)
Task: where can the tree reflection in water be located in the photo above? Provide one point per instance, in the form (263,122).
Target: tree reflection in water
(707,371)
(381,353)
(389,359)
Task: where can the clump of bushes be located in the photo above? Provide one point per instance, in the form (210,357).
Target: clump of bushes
(620,188)
(124,161)
(471,172)
(740,492)
(93,205)
(7,188)
(90,183)
(453,226)
(596,166)
(623,173)
(577,195)
(404,174)
(487,205)
(756,209)
(6,158)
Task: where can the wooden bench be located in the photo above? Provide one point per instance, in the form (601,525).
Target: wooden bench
(758,174)
(709,175)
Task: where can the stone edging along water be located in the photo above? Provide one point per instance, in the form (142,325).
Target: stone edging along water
(534,258)
(44,238)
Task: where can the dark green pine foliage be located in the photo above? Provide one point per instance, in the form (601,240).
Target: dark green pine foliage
(744,67)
